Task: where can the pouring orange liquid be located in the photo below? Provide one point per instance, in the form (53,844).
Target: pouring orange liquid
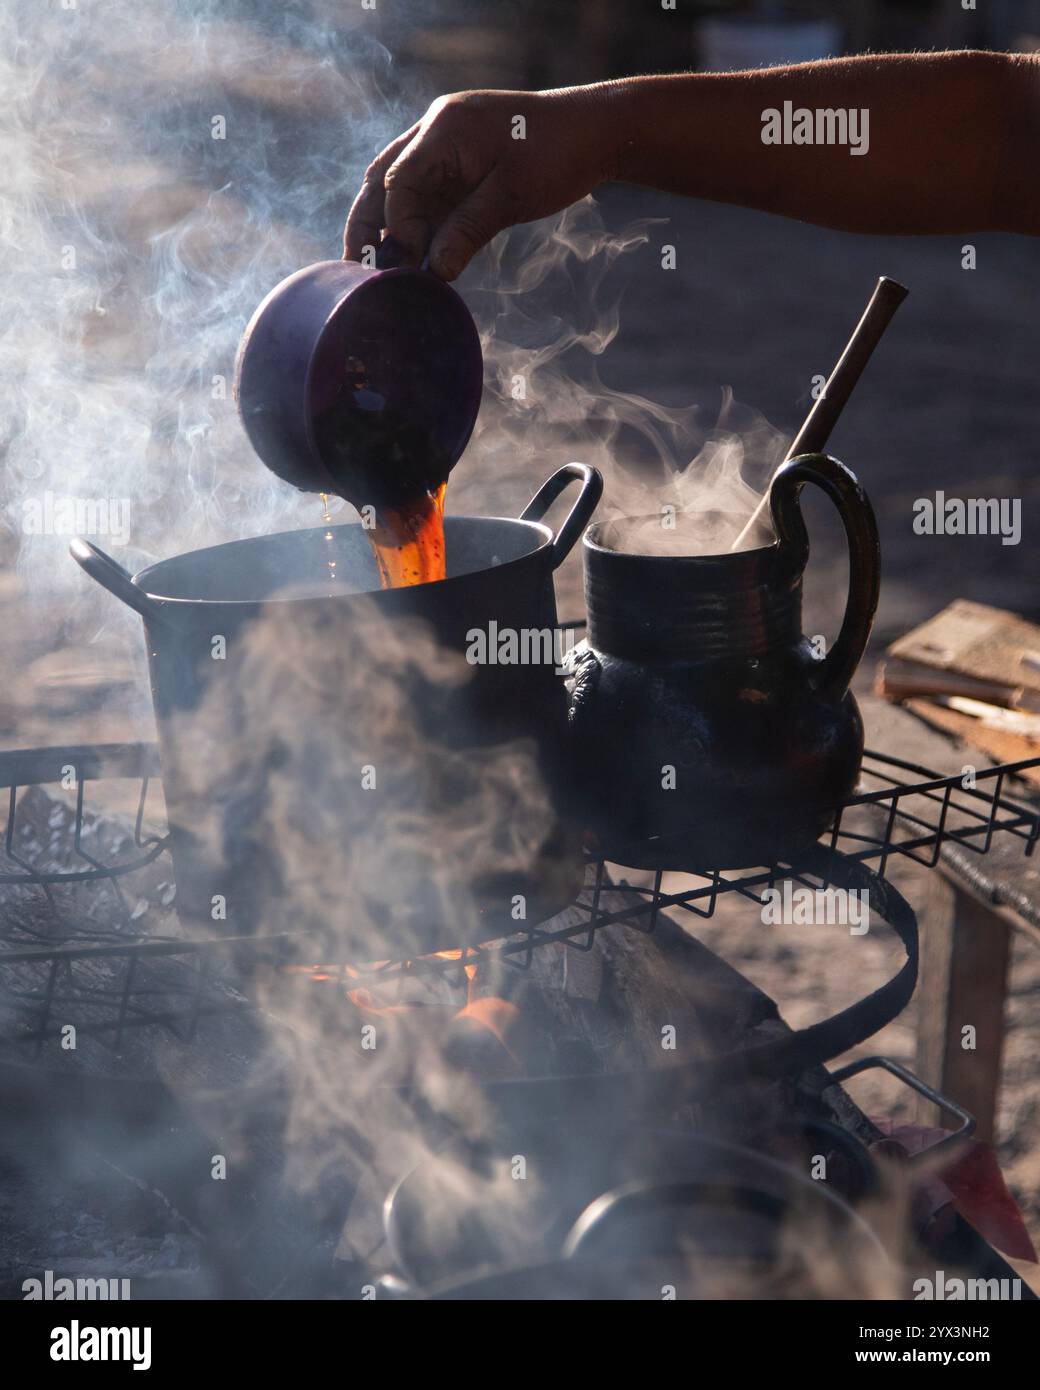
(386,463)
(326,516)
(407,540)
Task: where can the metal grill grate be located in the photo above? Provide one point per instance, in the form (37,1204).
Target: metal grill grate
(106,969)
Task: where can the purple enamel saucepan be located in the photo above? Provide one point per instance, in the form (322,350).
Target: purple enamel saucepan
(363,381)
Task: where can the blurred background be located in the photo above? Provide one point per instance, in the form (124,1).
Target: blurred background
(546,45)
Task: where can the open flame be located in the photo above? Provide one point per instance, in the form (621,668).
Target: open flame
(487,1016)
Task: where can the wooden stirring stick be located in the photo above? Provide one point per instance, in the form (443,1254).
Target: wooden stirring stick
(812,437)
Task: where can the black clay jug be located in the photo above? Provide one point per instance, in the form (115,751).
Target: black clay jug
(707,732)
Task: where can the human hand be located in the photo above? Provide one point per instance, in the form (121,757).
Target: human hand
(478,162)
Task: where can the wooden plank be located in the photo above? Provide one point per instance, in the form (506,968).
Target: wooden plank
(964,973)
(998,745)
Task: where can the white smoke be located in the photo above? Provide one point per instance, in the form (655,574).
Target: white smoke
(164,166)
(548,297)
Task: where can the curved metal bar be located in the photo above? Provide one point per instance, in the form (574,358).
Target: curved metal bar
(967,1125)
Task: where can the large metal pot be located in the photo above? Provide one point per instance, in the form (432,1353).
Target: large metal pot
(333,761)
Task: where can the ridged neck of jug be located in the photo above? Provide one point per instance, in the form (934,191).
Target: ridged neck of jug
(691,608)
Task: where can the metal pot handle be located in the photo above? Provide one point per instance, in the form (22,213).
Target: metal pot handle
(579,515)
(114,578)
(952,1141)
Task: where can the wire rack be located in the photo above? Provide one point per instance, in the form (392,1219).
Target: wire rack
(100,963)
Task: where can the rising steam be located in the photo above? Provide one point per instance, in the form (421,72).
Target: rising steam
(165,166)
(548,298)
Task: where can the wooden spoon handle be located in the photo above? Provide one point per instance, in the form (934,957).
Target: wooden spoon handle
(816,430)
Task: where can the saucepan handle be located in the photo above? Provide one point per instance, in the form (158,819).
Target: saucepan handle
(114,578)
(579,515)
(390,254)
(845,491)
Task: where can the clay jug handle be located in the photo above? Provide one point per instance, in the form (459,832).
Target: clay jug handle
(845,491)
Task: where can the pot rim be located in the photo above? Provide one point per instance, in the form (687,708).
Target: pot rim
(591,541)
(140,579)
